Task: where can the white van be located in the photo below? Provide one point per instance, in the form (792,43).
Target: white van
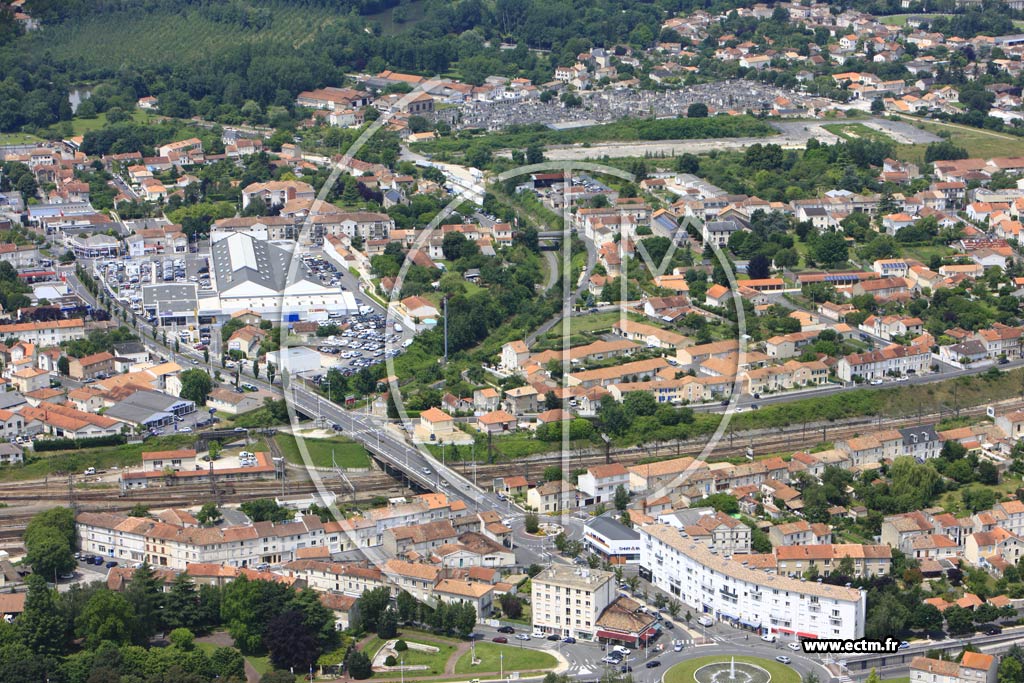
(90,471)
(705,621)
(407,343)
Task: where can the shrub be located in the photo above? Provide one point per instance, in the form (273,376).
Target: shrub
(401,645)
(390,661)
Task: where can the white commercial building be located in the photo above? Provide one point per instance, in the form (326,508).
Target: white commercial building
(567,600)
(259,276)
(725,589)
(296,360)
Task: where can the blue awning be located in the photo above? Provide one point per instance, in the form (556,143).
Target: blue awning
(750,624)
(727,616)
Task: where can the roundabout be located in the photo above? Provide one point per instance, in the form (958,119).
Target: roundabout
(731,672)
(731,669)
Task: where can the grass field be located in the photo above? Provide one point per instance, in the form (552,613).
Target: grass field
(82,126)
(346,452)
(925,253)
(856,131)
(46,463)
(434,661)
(977,142)
(683,672)
(18,139)
(901,19)
(515,659)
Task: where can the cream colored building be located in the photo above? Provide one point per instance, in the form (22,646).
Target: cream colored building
(568,600)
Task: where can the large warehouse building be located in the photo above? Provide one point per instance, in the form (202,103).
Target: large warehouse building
(250,274)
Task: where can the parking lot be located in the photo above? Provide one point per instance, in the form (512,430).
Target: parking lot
(366,342)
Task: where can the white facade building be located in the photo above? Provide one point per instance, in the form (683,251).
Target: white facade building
(567,600)
(725,590)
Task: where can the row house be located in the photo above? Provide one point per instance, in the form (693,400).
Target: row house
(893,360)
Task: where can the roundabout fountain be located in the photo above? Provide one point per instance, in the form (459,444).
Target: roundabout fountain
(731,672)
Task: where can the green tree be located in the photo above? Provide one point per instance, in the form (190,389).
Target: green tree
(387,628)
(196,385)
(697,110)
(208,515)
(42,626)
(958,620)
(182,638)
(145,593)
(49,553)
(372,605)
(106,616)
(621,498)
(359,666)
(830,250)
(531,523)
(182,604)
(63,365)
(265,510)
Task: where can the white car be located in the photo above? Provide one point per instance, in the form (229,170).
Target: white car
(795,647)
(705,621)
(768,637)
(522,636)
(677,646)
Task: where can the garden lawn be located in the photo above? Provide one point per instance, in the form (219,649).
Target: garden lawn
(347,453)
(82,126)
(516,659)
(683,672)
(435,662)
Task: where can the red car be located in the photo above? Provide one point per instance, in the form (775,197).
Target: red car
(500,639)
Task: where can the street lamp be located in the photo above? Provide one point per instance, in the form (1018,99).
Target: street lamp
(501,666)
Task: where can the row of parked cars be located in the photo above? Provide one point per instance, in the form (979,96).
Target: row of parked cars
(97,560)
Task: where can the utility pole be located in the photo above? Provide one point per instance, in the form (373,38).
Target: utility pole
(72,503)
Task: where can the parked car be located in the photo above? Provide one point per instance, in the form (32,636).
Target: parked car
(553,638)
(500,639)
(795,647)
(768,637)
(993,630)
(111,564)
(506,629)
(522,636)
(626,669)
(569,639)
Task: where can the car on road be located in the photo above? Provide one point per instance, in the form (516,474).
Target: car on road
(677,646)
(111,564)
(427,470)
(553,638)
(783,659)
(240,429)
(668,624)
(654,663)
(795,647)
(904,645)
(768,637)
(993,631)
(506,629)
(499,639)
(626,669)
(569,639)
(185,430)
(522,636)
